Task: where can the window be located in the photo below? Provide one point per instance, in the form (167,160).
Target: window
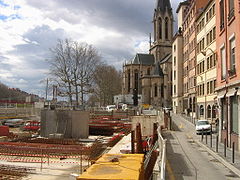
(232,57)
(214,33)
(148,71)
(208,87)
(230,9)
(221,14)
(166,28)
(174,61)
(174,75)
(136,79)
(160,28)
(201,110)
(155,90)
(213,7)
(155,30)
(211,36)
(162,90)
(200,46)
(213,111)
(209,111)
(129,78)
(223,63)
(224,113)
(174,89)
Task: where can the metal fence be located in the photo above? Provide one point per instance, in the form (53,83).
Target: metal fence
(162,154)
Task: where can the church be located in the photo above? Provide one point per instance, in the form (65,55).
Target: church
(150,75)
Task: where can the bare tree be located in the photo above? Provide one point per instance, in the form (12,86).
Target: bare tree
(73,66)
(108,83)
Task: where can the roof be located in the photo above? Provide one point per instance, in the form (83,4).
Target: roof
(168,57)
(203,10)
(157,71)
(186,3)
(115,167)
(163,5)
(145,59)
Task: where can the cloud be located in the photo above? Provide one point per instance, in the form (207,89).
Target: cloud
(117,28)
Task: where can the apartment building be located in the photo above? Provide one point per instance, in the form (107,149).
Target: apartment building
(189,55)
(206,63)
(228,65)
(177,61)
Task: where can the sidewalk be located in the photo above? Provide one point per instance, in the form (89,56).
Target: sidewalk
(219,154)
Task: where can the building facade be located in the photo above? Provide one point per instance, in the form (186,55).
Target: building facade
(150,75)
(206,63)
(177,61)
(228,77)
(189,55)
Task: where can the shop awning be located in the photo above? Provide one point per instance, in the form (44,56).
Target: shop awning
(221,94)
(231,92)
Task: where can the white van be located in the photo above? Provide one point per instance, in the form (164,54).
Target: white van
(110,108)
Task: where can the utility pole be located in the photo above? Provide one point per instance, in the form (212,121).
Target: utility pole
(46,96)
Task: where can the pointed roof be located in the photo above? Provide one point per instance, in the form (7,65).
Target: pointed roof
(162,5)
(145,59)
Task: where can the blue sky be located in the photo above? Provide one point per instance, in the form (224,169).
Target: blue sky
(28,28)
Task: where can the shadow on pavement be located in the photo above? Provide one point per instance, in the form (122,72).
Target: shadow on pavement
(179,167)
(175,127)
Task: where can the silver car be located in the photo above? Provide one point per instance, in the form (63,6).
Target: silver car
(203,126)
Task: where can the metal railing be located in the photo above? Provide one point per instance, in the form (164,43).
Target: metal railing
(162,154)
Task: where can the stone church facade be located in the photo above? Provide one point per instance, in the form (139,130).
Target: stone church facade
(150,75)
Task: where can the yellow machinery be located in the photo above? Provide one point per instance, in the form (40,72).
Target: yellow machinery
(116,167)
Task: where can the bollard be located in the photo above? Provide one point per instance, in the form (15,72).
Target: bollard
(217,143)
(133,142)
(170,122)
(206,138)
(211,137)
(202,134)
(233,153)
(225,153)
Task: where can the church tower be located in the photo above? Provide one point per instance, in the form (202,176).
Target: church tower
(163,30)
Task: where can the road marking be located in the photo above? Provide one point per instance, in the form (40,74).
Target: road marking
(189,136)
(170,171)
(180,126)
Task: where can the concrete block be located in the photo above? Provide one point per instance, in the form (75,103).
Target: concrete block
(71,124)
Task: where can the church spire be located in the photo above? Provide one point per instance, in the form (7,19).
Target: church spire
(163,5)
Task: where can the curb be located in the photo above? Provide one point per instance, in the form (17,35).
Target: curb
(220,159)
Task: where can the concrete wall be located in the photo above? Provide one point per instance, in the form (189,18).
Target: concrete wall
(146,123)
(72,124)
(6,112)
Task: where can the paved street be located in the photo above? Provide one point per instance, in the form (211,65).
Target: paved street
(186,159)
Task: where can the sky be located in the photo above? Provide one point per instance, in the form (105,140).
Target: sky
(118,29)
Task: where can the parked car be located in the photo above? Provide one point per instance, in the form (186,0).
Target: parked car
(14,122)
(203,126)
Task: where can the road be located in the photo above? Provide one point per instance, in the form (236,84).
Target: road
(187,160)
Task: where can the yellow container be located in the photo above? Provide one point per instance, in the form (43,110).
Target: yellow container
(116,167)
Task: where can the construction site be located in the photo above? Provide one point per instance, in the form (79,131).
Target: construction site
(73,144)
